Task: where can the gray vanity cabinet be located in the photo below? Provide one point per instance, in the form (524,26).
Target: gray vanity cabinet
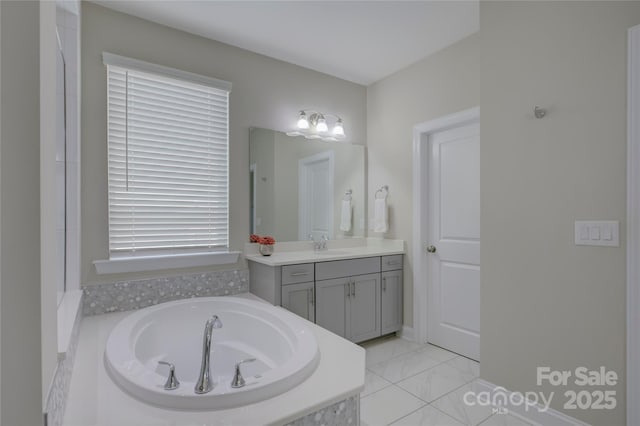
(332,304)
(364,308)
(392,285)
(297,291)
(391,301)
(300,299)
(360,281)
(350,307)
(358,299)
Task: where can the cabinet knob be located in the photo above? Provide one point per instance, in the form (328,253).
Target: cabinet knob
(431,249)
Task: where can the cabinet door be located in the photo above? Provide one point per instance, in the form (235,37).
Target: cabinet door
(299,299)
(331,305)
(391,301)
(364,308)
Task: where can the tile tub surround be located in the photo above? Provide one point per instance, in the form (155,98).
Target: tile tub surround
(412,384)
(136,294)
(107,405)
(293,252)
(341,413)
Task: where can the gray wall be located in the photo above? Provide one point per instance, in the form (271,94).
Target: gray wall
(266,93)
(441,84)
(49,207)
(545,301)
(21,385)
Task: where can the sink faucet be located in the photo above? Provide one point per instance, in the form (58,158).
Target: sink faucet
(319,245)
(205,382)
(323,242)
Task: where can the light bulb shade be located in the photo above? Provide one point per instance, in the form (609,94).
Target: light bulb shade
(338,129)
(313,125)
(303,123)
(321,125)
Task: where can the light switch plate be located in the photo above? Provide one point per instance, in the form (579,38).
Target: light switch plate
(597,233)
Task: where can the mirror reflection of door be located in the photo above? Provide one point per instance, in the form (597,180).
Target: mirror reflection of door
(315,196)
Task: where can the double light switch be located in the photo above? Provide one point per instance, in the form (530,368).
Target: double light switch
(597,233)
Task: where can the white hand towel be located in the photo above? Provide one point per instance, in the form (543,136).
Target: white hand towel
(380,219)
(345,216)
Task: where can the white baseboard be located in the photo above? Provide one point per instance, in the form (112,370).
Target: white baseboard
(407,333)
(549,417)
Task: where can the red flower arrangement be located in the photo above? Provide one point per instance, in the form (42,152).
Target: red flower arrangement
(266,240)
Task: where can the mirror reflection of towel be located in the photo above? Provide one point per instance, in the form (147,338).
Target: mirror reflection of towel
(380,215)
(345,216)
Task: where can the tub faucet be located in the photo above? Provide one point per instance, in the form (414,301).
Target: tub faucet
(205,381)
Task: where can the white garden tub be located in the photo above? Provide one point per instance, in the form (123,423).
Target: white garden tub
(285,349)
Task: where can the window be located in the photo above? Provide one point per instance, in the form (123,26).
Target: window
(168,146)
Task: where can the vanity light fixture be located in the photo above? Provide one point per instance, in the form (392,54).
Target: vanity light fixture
(303,123)
(338,129)
(321,124)
(314,125)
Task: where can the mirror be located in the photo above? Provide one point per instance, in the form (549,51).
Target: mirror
(299,187)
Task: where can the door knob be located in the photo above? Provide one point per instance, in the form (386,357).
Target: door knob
(431,249)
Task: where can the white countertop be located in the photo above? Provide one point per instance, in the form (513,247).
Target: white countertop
(95,400)
(290,253)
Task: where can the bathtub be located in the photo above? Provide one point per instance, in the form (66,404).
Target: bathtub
(285,349)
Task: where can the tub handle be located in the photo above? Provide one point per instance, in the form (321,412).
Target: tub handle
(172,381)
(238,381)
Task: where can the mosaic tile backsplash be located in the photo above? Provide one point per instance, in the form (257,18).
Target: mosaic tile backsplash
(343,413)
(129,295)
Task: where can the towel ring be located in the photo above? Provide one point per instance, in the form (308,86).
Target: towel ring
(347,195)
(384,190)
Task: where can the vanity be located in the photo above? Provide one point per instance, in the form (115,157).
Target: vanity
(310,196)
(354,291)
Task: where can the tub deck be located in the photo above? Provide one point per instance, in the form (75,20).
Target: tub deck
(95,400)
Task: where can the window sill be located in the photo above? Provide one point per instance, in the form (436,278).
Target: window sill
(156,263)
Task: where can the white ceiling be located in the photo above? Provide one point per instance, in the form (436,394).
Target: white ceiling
(359,41)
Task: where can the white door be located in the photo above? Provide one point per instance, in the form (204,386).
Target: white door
(315,198)
(454,240)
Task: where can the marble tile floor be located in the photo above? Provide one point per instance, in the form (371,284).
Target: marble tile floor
(411,384)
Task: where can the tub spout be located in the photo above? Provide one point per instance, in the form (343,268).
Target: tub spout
(205,381)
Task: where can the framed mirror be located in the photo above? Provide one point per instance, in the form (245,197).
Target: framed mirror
(305,187)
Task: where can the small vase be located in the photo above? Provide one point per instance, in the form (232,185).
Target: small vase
(266,249)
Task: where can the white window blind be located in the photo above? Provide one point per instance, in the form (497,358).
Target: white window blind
(168,164)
